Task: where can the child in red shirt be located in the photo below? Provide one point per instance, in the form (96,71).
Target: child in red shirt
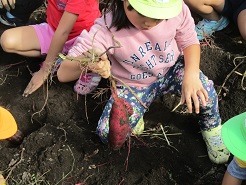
(66,19)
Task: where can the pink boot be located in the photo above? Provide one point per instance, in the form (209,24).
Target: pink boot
(87,83)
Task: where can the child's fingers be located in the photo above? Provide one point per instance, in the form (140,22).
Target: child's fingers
(12,3)
(106,72)
(188,103)
(195,98)
(196,102)
(7,4)
(205,93)
(104,57)
(202,97)
(29,89)
(37,81)
(102,68)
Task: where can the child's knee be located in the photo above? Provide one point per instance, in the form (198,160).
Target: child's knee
(4,40)
(68,71)
(60,73)
(7,41)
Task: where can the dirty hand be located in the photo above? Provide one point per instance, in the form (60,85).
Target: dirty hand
(37,80)
(7,4)
(101,67)
(192,90)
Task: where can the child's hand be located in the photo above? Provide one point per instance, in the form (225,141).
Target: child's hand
(102,67)
(192,89)
(37,80)
(7,3)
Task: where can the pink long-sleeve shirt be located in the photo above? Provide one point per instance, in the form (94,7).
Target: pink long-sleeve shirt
(144,55)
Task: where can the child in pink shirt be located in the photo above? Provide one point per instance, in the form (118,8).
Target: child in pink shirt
(159,53)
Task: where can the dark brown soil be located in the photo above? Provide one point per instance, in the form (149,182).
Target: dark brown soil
(61,147)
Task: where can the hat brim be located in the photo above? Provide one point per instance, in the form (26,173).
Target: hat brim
(234,136)
(169,10)
(8,126)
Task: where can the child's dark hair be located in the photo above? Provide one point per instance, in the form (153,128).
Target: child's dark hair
(119,18)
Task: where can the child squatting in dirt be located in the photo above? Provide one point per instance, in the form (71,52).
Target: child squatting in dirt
(159,53)
(216,15)
(65,21)
(234,137)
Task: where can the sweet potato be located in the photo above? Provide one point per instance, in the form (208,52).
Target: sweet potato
(119,126)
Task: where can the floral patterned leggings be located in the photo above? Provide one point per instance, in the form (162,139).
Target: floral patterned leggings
(209,116)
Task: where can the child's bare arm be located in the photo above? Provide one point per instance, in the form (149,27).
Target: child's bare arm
(192,89)
(60,37)
(72,67)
